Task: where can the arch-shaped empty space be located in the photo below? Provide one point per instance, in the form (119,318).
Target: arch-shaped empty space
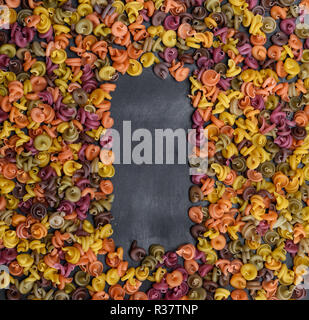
(151,201)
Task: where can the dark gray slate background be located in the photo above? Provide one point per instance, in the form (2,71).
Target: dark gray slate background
(151,201)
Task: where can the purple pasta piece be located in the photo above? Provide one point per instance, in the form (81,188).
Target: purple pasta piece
(82,206)
(252,4)
(87,73)
(204,63)
(29,147)
(2,259)
(82,183)
(81,152)
(245,49)
(251,62)
(92,121)
(14,28)
(284,141)
(143,13)
(161,286)
(204,269)
(90,85)
(291,247)
(278,116)
(222,33)
(224,83)
(258,102)
(197,118)
(171,22)
(64,112)
(174,294)
(81,115)
(25,206)
(199,255)
(9,254)
(50,67)
(24,36)
(69,268)
(184,288)
(262,227)
(171,259)
(61,254)
(46,97)
(157,18)
(47,172)
(3,115)
(288,25)
(82,233)
(170,54)
(48,36)
(4,61)
(66,206)
(218,55)
(60,267)
(154,294)
(196,179)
